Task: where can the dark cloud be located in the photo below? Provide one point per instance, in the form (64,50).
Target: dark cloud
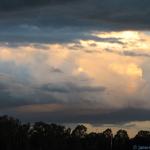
(18,89)
(60,21)
(71,87)
(94,116)
(15,92)
(106,14)
(39,24)
(48,36)
(7,5)
(56,70)
(129,53)
(135,54)
(111,117)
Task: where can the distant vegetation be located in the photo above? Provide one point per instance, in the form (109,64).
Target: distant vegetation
(42,136)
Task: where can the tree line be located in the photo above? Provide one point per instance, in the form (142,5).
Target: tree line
(15,135)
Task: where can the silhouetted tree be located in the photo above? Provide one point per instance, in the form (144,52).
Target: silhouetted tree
(79,131)
(49,136)
(94,141)
(43,136)
(77,137)
(142,138)
(121,141)
(9,133)
(107,139)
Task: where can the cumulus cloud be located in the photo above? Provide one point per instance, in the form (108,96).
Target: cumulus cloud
(21,84)
(60,84)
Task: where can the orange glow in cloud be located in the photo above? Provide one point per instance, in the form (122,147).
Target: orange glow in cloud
(40,108)
(131,70)
(109,69)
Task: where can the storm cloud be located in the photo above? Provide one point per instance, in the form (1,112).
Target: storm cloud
(52,21)
(124,13)
(68,114)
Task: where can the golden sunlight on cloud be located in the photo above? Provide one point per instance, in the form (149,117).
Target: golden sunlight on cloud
(102,65)
(25,53)
(108,67)
(113,71)
(126,35)
(131,69)
(133,75)
(58,54)
(18,55)
(5,54)
(120,74)
(80,70)
(131,40)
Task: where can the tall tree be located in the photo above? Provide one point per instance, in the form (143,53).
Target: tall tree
(121,141)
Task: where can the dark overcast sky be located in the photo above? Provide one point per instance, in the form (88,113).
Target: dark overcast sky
(32,21)
(118,14)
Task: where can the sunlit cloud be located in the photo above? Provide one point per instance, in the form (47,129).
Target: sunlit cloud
(131,70)
(86,78)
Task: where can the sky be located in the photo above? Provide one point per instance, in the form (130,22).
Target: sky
(76,61)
